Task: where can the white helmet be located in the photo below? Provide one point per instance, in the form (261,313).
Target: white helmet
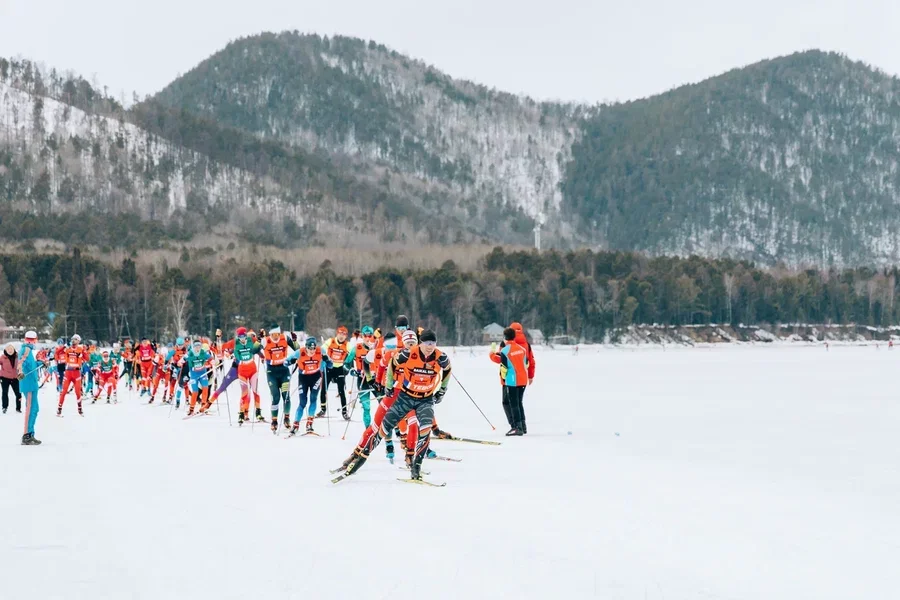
(76,338)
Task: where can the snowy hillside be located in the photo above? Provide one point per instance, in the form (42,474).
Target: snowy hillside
(59,158)
(791,160)
(362,100)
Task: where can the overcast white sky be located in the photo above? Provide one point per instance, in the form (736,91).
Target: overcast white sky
(561,49)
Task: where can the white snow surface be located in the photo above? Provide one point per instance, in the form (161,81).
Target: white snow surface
(738,472)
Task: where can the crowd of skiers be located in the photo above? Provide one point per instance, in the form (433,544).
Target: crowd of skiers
(402,371)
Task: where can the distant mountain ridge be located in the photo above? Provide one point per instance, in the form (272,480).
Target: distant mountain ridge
(365,102)
(340,141)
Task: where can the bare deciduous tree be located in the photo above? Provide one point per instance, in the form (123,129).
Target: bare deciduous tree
(728,280)
(321,315)
(412,293)
(463,305)
(361,304)
(180,309)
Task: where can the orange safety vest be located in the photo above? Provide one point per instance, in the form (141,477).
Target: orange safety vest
(361,351)
(337,352)
(310,363)
(276,352)
(75,356)
(421,377)
(177,355)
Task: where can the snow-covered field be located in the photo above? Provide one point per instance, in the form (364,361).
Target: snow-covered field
(734,473)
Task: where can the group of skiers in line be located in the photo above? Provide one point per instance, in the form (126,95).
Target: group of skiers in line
(402,370)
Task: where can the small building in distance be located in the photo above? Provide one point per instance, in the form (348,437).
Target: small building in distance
(536,337)
(492,333)
(10,333)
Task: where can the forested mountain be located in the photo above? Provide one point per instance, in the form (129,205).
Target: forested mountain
(299,139)
(363,101)
(792,159)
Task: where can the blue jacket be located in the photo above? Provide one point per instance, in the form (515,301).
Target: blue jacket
(31,382)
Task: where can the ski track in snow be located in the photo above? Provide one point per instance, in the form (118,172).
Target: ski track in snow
(739,473)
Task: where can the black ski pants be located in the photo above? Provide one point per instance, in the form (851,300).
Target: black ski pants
(513,405)
(14,384)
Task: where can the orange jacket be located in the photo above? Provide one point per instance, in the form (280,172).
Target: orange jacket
(276,352)
(75,356)
(310,363)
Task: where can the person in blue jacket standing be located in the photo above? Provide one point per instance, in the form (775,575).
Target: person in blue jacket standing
(28,386)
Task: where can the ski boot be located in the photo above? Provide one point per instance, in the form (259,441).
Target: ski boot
(259,416)
(59,411)
(274,424)
(29,440)
(430,454)
(241,418)
(80,412)
(322,412)
(287,421)
(415,469)
(389,448)
(408,459)
(190,411)
(309,425)
(4,411)
(356,462)
(348,460)
(345,414)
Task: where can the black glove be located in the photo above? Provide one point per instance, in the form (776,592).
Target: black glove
(439,395)
(379,389)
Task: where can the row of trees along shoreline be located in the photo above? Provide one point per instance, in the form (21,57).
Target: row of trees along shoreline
(586,295)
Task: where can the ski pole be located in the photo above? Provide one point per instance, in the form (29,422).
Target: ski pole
(171,404)
(325,399)
(24,375)
(352,409)
(228,407)
(463,388)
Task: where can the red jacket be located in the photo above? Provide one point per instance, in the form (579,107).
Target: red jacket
(520,340)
